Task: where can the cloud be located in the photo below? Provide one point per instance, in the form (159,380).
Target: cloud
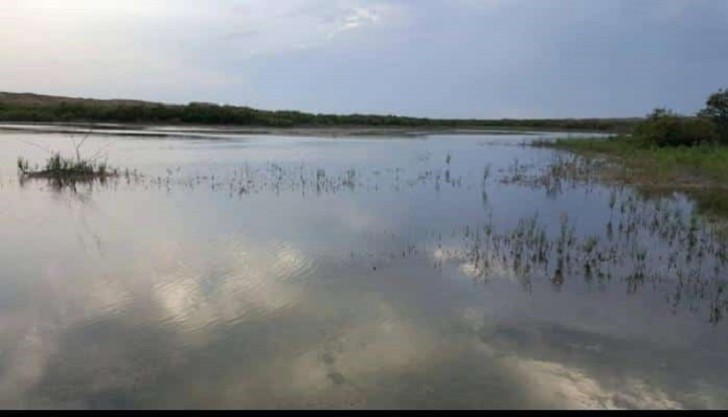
(250,283)
(241,322)
(293,26)
(571,388)
(357,18)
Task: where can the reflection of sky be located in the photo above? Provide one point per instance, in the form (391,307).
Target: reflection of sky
(139,297)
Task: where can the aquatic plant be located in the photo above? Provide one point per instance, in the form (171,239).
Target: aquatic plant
(23,165)
(59,167)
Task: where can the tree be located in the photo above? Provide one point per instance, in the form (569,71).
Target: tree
(664,127)
(716,109)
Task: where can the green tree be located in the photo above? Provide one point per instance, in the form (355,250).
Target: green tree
(663,127)
(716,109)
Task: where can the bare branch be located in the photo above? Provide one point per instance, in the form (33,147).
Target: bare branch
(86,137)
(99,152)
(77,146)
(27,142)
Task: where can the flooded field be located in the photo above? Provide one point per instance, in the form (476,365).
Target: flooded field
(442,271)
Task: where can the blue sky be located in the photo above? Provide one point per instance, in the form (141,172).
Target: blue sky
(437,58)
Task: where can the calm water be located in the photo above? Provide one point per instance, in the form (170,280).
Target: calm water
(299,272)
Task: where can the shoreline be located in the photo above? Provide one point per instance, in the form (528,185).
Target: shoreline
(182,130)
(700,173)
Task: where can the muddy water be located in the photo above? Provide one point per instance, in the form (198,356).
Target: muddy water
(302,272)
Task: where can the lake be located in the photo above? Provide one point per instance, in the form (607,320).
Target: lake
(433,271)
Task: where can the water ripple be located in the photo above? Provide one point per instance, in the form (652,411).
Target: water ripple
(243,285)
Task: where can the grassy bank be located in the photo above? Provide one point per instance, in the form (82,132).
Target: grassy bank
(701,172)
(697,166)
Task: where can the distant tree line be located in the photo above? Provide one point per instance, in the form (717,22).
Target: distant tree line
(212,114)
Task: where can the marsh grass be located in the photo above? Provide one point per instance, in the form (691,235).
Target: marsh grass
(682,165)
(653,245)
(59,167)
(701,172)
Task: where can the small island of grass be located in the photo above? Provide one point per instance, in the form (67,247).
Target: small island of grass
(58,167)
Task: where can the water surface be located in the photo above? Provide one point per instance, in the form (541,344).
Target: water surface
(234,271)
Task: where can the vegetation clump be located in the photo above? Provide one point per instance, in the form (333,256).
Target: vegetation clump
(668,151)
(716,110)
(664,128)
(63,170)
(59,167)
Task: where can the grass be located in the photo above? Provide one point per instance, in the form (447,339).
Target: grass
(701,172)
(640,245)
(707,164)
(59,167)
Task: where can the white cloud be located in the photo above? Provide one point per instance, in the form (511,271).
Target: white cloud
(571,388)
(254,31)
(357,18)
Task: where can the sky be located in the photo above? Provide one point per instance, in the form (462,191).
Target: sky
(429,58)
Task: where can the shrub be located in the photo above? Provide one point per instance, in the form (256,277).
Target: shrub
(665,128)
(716,109)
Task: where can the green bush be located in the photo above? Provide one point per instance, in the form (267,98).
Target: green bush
(665,128)
(716,109)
